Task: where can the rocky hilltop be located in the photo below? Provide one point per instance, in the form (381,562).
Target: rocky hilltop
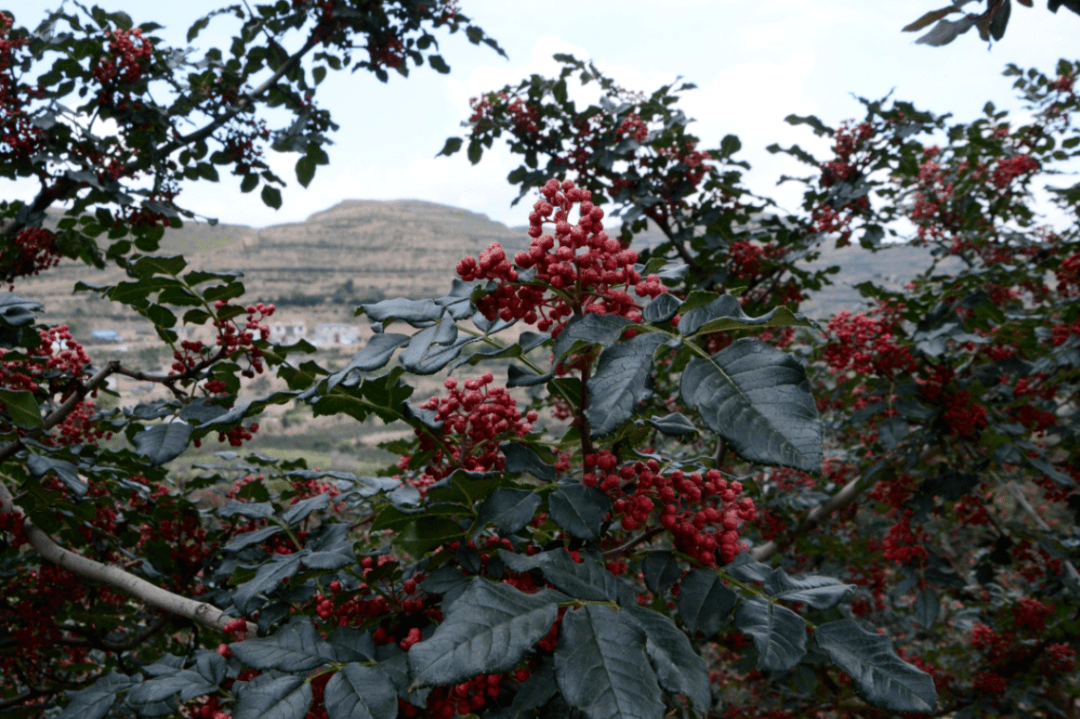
(364,250)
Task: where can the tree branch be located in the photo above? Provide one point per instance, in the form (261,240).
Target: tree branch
(841,499)
(115,577)
(59,414)
(107,574)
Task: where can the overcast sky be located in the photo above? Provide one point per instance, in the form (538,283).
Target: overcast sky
(754,61)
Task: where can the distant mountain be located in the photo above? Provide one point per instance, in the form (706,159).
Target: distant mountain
(363,250)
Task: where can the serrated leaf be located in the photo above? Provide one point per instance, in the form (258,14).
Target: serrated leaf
(661,309)
(622,380)
(725,313)
(266,697)
(22,408)
(508,509)
(589,580)
(704,601)
(95,701)
(758,399)
(163,442)
(418,313)
(881,677)
(818,591)
(187,683)
(375,354)
(16,311)
(520,458)
(604,330)
(249,538)
(300,511)
(40,465)
(579,509)
(488,630)
(927,607)
(602,668)
(674,425)
(678,667)
(296,647)
(351,645)
(778,633)
(266,579)
(360,692)
(661,571)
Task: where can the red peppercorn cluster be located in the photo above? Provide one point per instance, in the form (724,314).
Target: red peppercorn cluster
(241,145)
(49,368)
(475,418)
(703,514)
(461,699)
(19,136)
(1032,614)
(128,50)
(864,345)
(633,126)
(388,51)
(35,250)
(901,543)
(580,264)
(1009,168)
(232,339)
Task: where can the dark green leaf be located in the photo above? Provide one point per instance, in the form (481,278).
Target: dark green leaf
(95,701)
(418,313)
(488,630)
(305,170)
(623,379)
(881,677)
(163,442)
(21,407)
(266,580)
(678,667)
(17,312)
(360,692)
(271,196)
(704,601)
(453,144)
(589,580)
(758,399)
(475,151)
(817,591)
(375,354)
(247,539)
(661,570)
(674,425)
(602,668)
(579,509)
(266,697)
(520,458)
(187,683)
(40,465)
(662,309)
(296,647)
(508,509)
(725,314)
(778,633)
(438,64)
(604,330)
(300,511)
(927,607)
